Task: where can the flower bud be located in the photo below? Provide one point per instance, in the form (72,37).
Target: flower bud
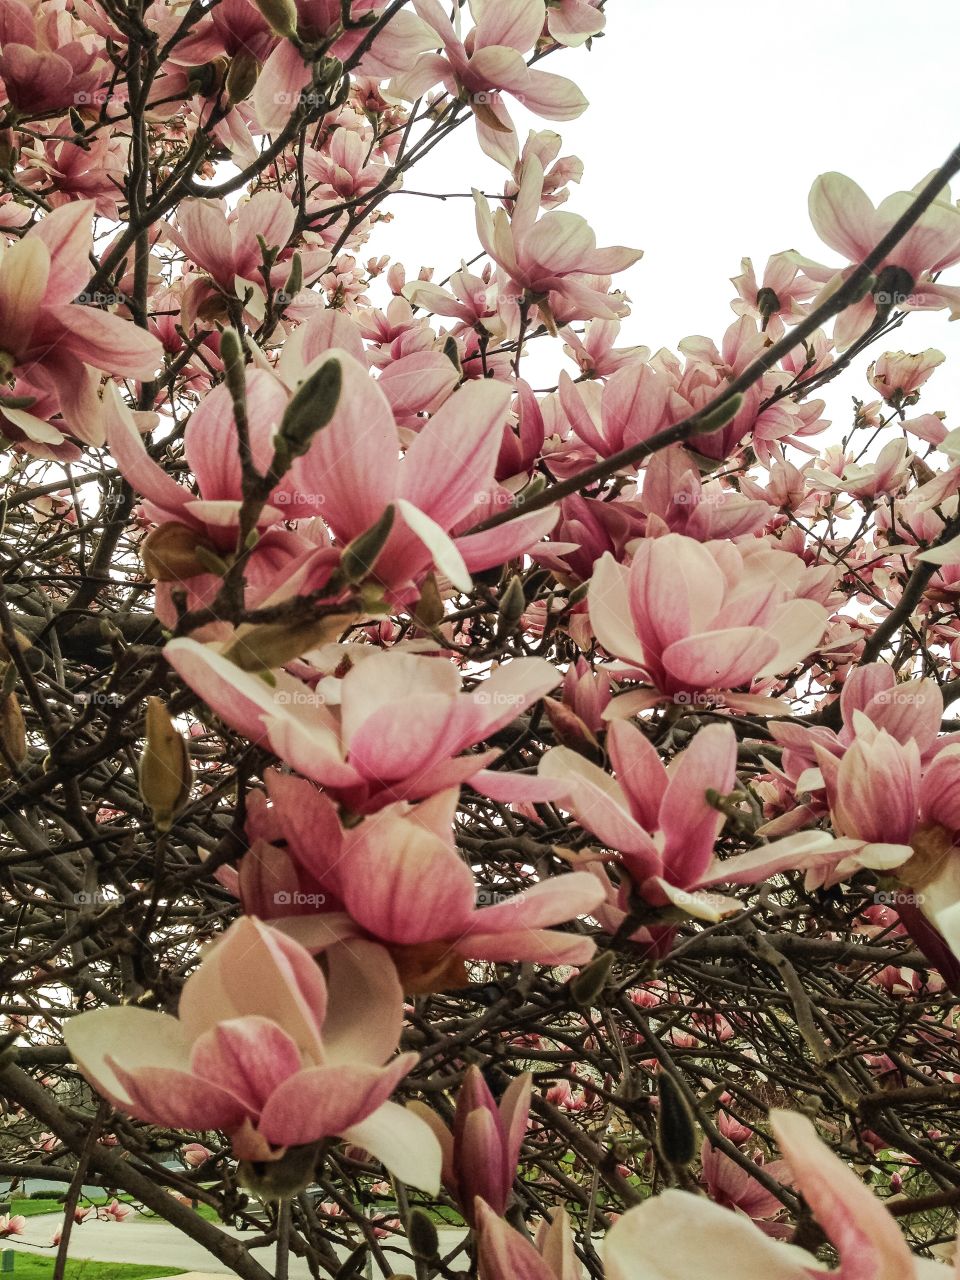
(676,1126)
(265,646)
(360,555)
(422,1234)
(170,552)
(313,405)
(590,981)
(242,76)
(281,16)
(165,772)
(13,730)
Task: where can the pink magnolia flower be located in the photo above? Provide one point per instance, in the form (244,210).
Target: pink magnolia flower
(553,259)
(488,62)
(728,1184)
(212,451)
(778,299)
(678,1234)
(47,341)
(270,1051)
(195,1154)
(286,72)
(227,247)
(573,22)
(594,351)
(504,1254)
(443,484)
(695,617)
(661,823)
(391,729)
(47,64)
(676,500)
(12,1225)
(117,1211)
(885,476)
(898,376)
(844,218)
(873,791)
(397,879)
(480,1155)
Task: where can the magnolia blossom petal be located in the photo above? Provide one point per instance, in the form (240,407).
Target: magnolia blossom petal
(324,1101)
(403,1142)
(677,1235)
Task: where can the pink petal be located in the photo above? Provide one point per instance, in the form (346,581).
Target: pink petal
(108,342)
(691,825)
(250,1056)
(324,1101)
(352,463)
(843,216)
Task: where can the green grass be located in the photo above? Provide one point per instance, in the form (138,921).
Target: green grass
(30,1208)
(27,1267)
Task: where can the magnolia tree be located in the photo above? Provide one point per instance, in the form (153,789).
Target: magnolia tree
(431,798)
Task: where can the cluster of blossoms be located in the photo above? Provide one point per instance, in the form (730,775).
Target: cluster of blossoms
(679,645)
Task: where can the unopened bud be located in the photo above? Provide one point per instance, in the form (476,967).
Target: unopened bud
(279,1179)
(172,552)
(294,281)
(267,645)
(165,772)
(429,608)
(13,730)
(422,1234)
(512,605)
(281,16)
(716,418)
(242,76)
(311,408)
(360,555)
(676,1126)
(590,981)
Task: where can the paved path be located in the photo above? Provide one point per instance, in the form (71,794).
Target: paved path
(154,1242)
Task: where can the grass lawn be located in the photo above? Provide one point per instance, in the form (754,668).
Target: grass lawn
(30,1208)
(26,1267)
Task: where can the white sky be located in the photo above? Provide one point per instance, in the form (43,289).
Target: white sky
(708,124)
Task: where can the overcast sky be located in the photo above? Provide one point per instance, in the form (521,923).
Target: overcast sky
(707,126)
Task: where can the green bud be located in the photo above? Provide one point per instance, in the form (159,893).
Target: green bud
(716,418)
(313,405)
(241,77)
(422,1234)
(165,772)
(452,352)
(360,555)
(429,611)
(676,1126)
(294,281)
(590,982)
(260,647)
